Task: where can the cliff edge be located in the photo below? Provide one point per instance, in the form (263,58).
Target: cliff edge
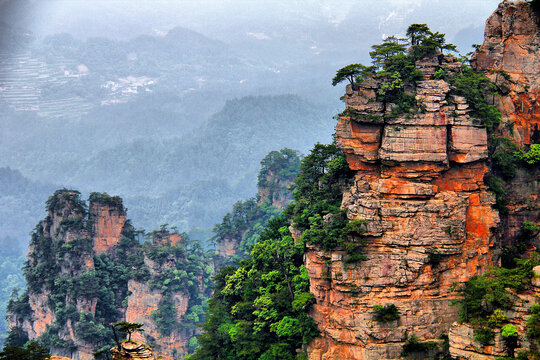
(432,222)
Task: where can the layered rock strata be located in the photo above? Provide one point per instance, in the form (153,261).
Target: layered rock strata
(462,345)
(419,184)
(134,350)
(510,55)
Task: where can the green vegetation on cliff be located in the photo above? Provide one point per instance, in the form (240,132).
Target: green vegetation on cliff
(243,225)
(487,298)
(87,291)
(259,309)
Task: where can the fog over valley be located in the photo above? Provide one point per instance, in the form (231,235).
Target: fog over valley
(172,105)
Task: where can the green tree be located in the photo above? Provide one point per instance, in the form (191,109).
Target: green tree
(391,46)
(258,310)
(417,33)
(128,328)
(32,351)
(355,73)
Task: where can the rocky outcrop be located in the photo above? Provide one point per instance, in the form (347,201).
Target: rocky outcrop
(462,345)
(419,184)
(108,217)
(510,56)
(66,227)
(228,246)
(238,229)
(86,270)
(132,350)
(275,189)
(144,301)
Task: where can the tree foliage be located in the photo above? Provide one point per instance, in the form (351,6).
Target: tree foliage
(189,272)
(248,218)
(258,310)
(388,49)
(424,42)
(31,351)
(354,73)
(128,328)
(482,295)
(477,89)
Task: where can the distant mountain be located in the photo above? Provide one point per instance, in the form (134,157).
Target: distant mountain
(68,99)
(193,180)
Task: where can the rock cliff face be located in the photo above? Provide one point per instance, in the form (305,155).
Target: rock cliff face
(144,301)
(108,220)
(86,270)
(511,45)
(247,219)
(510,54)
(420,185)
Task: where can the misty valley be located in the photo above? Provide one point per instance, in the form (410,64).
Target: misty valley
(307,181)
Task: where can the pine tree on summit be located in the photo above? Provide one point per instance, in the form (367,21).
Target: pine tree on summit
(355,73)
(128,328)
(417,32)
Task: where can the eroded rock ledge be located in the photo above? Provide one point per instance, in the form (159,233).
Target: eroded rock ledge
(420,185)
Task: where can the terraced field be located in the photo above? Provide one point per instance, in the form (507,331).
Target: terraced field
(59,89)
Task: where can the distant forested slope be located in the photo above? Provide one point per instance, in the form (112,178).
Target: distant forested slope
(188,181)
(193,180)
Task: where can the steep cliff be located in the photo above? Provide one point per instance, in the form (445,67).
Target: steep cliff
(510,55)
(86,270)
(419,184)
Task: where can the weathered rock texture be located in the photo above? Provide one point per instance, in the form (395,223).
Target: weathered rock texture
(133,350)
(275,189)
(272,189)
(144,300)
(64,224)
(107,221)
(510,54)
(420,186)
(511,45)
(461,336)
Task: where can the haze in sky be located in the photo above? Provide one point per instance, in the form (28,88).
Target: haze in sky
(87,86)
(237,20)
(173,104)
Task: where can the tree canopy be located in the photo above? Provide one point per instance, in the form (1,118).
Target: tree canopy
(31,351)
(354,73)
(128,328)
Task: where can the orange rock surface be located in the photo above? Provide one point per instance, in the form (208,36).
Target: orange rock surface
(108,222)
(420,185)
(511,45)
